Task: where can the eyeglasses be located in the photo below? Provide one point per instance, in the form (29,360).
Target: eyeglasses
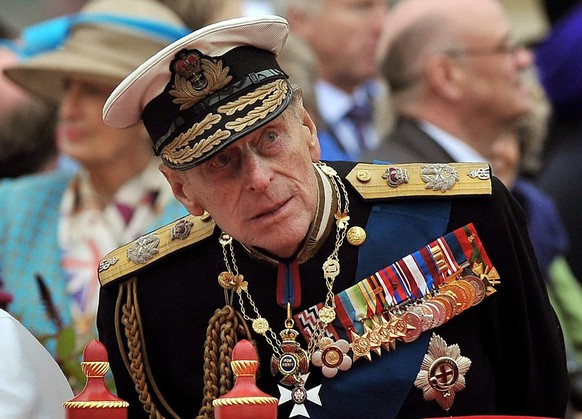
(506,47)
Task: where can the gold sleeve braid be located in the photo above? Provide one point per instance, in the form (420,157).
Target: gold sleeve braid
(225,328)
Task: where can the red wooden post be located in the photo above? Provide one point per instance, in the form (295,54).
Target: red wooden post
(95,401)
(245,400)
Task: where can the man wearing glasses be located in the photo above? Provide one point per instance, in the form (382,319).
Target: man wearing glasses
(456,80)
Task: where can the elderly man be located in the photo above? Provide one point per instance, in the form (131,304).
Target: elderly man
(369,290)
(456,80)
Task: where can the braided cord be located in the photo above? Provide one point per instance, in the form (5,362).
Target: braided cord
(225,328)
(130,322)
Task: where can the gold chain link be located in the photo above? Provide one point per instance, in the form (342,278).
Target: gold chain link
(340,234)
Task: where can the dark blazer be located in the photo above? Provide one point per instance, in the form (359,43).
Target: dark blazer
(407,143)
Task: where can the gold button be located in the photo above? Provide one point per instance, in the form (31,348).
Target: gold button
(364,176)
(356,236)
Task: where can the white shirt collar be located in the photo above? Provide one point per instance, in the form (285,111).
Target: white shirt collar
(328,93)
(342,102)
(459,150)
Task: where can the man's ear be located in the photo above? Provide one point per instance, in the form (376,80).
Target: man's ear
(178,183)
(444,76)
(312,140)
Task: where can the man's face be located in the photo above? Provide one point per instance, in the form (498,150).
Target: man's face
(344,35)
(499,86)
(262,189)
(495,70)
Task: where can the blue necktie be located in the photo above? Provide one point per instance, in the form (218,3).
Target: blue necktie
(360,116)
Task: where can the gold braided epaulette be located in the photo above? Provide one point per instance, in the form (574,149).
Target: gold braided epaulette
(154,246)
(399,180)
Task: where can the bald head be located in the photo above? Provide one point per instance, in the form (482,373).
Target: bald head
(462,14)
(417,29)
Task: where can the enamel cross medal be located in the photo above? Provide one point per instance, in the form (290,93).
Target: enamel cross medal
(293,364)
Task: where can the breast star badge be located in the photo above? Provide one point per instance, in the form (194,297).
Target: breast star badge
(442,372)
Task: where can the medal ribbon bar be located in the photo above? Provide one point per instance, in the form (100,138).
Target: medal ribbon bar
(415,278)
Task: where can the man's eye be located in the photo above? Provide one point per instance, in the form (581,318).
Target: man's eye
(220,161)
(270,137)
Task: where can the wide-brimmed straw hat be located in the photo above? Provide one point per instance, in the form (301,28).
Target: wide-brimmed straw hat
(104,42)
(206,90)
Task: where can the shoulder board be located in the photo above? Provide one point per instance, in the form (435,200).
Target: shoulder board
(153,246)
(382,181)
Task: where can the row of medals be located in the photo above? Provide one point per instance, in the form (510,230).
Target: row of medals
(405,323)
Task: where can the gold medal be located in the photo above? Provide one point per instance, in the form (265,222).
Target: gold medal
(384,329)
(360,346)
(470,290)
(478,285)
(398,326)
(426,316)
(332,356)
(374,338)
(449,303)
(438,311)
(413,327)
(459,294)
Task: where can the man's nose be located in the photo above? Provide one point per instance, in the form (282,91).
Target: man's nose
(258,172)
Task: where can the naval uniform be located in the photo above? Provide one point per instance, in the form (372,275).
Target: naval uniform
(512,338)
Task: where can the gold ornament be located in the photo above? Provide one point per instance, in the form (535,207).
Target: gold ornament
(260,325)
(356,236)
(326,314)
(364,176)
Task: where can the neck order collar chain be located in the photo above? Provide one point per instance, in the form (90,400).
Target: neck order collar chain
(289,358)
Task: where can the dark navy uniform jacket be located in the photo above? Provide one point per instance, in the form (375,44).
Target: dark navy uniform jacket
(512,338)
